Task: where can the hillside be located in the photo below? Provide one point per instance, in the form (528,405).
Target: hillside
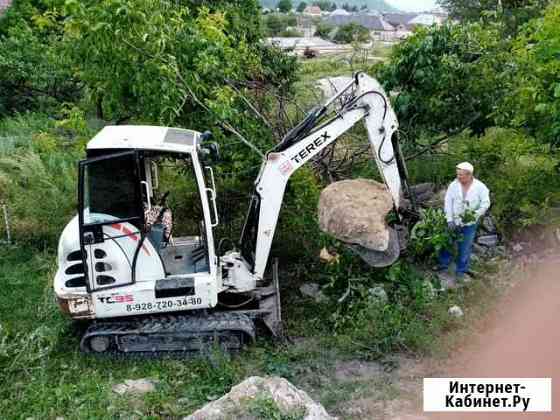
(380,5)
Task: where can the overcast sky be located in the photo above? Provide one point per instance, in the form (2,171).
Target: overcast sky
(413,5)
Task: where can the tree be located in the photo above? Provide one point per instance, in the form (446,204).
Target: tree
(274,24)
(533,100)
(165,64)
(322,4)
(514,13)
(449,78)
(285,6)
(34,73)
(351,32)
(346,7)
(323,30)
(301,7)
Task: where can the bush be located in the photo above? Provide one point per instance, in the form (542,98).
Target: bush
(430,235)
(533,102)
(406,320)
(290,33)
(448,78)
(38,176)
(275,23)
(522,174)
(351,32)
(34,73)
(323,30)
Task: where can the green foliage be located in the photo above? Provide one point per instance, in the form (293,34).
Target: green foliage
(522,174)
(449,78)
(430,235)
(373,325)
(290,33)
(301,6)
(40,188)
(323,30)
(276,23)
(533,102)
(264,407)
(33,72)
(141,58)
(285,6)
(298,218)
(325,5)
(38,174)
(514,13)
(351,32)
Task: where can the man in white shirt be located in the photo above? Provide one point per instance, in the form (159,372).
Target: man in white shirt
(466,201)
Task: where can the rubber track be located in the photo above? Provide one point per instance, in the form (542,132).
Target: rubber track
(225,322)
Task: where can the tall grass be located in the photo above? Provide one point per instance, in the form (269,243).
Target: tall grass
(37,178)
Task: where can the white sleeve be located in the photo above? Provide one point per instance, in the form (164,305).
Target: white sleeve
(449,204)
(484,201)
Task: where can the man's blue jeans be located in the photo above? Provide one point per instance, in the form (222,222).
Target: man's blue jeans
(464,245)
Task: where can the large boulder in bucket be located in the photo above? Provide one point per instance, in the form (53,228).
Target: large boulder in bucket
(354,212)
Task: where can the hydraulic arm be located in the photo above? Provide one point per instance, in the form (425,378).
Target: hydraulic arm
(364,100)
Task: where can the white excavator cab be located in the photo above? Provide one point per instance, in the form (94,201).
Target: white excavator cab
(134,247)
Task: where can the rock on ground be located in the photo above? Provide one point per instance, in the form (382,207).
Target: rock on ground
(312,290)
(354,212)
(378,294)
(135,386)
(456,311)
(287,397)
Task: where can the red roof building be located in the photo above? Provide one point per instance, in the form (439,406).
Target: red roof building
(4,4)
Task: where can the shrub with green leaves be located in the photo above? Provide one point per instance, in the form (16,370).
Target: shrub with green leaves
(34,72)
(447,77)
(533,102)
(38,173)
(430,235)
(378,311)
(351,32)
(523,175)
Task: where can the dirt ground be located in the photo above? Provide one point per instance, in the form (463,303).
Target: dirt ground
(520,338)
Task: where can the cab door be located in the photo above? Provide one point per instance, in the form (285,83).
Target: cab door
(111,219)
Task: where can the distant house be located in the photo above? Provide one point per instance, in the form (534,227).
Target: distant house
(378,27)
(339,12)
(4,4)
(312,11)
(400,19)
(405,23)
(424,19)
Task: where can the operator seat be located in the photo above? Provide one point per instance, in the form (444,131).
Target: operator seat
(159,225)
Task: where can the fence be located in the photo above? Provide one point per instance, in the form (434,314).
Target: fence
(6,237)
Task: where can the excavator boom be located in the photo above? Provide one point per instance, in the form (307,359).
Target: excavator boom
(369,103)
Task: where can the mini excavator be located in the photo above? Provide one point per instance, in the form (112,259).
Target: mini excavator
(141,266)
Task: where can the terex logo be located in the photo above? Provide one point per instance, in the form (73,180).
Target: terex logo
(306,151)
(116,299)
